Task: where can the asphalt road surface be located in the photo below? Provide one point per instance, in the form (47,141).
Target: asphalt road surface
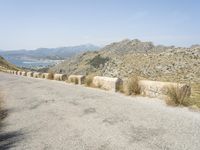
(53,115)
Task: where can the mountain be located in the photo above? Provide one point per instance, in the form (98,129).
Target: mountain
(128,57)
(44,56)
(4,63)
(53,53)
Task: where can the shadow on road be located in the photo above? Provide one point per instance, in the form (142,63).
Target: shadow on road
(7,139)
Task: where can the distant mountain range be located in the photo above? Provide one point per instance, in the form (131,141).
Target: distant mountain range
(50,53)
(27,58)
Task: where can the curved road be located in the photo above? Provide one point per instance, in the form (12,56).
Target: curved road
(53,115)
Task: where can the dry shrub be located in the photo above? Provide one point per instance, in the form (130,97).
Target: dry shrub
(89,81)
(76,81)
(71,80)
(132,86)
(99,86)
(120,88)
(177,96)
(50,76)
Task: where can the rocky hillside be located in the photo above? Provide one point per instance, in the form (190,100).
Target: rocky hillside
(128,57)
(6,64)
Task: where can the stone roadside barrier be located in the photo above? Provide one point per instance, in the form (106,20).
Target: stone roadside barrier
(159,89)
(77,79)
(107,83)
(147,87)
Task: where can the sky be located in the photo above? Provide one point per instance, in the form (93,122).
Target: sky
(30,24)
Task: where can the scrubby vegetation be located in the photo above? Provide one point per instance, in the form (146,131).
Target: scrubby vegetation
(132,86)
(51,76)
(127,57)
(7,65)
(98,61)
(194,99)
(89,80)
(120,88)
(175,96)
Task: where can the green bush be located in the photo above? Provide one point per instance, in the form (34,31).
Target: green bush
(98,60)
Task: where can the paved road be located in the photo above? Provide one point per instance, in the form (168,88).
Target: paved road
(45,114)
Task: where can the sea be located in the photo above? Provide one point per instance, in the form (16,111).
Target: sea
(33,63)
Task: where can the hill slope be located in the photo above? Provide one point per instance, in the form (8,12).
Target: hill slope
(122,59)
(6,64)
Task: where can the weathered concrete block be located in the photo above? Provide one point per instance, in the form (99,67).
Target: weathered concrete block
(159,89)
(24,73)
(14,72)
(60,77)
(107,83)
(47,76)
(19,73)
(9,71)
(29,74)
(77,79)
(37,74)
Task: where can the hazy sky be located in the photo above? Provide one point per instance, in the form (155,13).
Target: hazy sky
(31,24)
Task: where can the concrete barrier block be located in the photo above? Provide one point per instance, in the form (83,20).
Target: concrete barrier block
(37,74)
(77,79)
(19,73)
(107,83)
(60,77)
(30,74)
(24,73)
(159,89)
(47,76)
(15,72)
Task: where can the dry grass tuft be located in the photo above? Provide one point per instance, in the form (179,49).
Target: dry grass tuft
(132,86)
(51,76)
(176,96)
(194,99)
(89,81)
(120,88)
(76,80)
